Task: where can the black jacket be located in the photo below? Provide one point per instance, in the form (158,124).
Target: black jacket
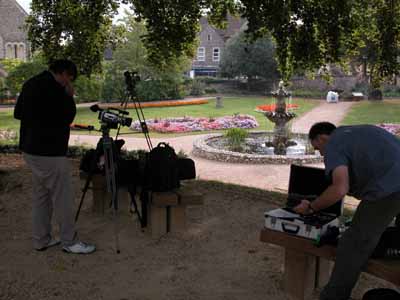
(45,111)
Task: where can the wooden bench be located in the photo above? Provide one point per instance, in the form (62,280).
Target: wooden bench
(307,266)
(166,211)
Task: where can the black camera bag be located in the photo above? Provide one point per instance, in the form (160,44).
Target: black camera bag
(187,169)
(162,170)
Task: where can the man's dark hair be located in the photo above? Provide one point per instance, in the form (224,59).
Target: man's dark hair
(321,128)
(64,65)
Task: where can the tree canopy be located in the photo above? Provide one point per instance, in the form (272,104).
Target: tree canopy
(249,58)
(308,33)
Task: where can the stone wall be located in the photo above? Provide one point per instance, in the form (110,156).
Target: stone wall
(345,83)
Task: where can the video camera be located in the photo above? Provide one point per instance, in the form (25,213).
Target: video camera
(131,79)
(110,118)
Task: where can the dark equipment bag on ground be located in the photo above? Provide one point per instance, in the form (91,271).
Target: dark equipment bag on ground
(162,169)
(381,294)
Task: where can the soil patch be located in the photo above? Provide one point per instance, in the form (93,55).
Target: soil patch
(219,256)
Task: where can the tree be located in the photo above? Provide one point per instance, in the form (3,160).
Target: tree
(158,82)
(251,59)
(73,29)
(308,33)
(22,72)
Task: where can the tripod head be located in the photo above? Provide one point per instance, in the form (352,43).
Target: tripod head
(131,79)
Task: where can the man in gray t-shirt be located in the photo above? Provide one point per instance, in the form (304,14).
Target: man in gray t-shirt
(362,161)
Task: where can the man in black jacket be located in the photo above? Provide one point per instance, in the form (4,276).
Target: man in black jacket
(46,108)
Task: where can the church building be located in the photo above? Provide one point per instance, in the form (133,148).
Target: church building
(13,38)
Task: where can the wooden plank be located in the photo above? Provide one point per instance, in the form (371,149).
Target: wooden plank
(296,243)
(164,198)
(187,196)
(299,274)
(323,272)
(157,220)
(99,194)
(177,218)
(382,268)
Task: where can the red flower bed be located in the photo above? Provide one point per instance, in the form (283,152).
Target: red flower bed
(272,107)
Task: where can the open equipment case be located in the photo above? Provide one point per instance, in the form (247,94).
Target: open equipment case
(304,183)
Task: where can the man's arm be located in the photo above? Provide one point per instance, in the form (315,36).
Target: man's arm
(334,193)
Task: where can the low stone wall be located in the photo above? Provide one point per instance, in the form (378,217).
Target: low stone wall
(203,150)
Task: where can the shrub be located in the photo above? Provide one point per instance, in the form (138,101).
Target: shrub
(236,138)
(210,90)
(87,89)
(113,89)
(22,72)
(197,88)
(168,87)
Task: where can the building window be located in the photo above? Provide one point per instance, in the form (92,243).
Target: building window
(201,54)
(9,51)
(216,54)
(21,51)
(209,37)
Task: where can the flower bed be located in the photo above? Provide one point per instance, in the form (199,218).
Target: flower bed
(189,124)
(392,128)
(159,103)
(272,107)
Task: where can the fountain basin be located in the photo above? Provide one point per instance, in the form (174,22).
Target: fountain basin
(213,147)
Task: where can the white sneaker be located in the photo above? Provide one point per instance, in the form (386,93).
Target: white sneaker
(79,248)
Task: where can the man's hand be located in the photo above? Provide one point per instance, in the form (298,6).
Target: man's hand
(303,208)
(69,89)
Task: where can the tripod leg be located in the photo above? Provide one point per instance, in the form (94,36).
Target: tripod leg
(133,201)
(144,199)
(110,169)
(85,188)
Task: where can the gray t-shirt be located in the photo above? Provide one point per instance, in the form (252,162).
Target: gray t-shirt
(372,156)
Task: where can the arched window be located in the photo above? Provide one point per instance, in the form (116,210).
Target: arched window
(9,50)
(21,51)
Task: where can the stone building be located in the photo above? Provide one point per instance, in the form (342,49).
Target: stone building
(13,38)
(212,44)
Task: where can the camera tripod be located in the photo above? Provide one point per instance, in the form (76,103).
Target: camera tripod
(107,144)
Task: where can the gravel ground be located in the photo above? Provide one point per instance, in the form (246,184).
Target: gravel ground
(219,256)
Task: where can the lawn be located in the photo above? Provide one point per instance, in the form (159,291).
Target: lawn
(373,112)
(232,105)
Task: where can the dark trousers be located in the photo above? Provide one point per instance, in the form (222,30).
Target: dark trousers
(357,244)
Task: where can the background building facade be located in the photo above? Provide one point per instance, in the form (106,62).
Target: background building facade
(212,44)
(13,38)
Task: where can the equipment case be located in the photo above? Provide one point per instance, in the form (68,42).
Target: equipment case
(304,183)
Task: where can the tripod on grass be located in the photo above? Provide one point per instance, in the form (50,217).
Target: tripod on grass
(108,147)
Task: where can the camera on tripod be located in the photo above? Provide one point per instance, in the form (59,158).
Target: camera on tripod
(112,117)
(131,79)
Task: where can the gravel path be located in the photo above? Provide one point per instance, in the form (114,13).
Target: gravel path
(269,177)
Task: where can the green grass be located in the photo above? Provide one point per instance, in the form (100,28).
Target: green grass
(373,112)
(232,105)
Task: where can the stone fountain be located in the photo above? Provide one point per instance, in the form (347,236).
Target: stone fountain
(280,117)
(279,146)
